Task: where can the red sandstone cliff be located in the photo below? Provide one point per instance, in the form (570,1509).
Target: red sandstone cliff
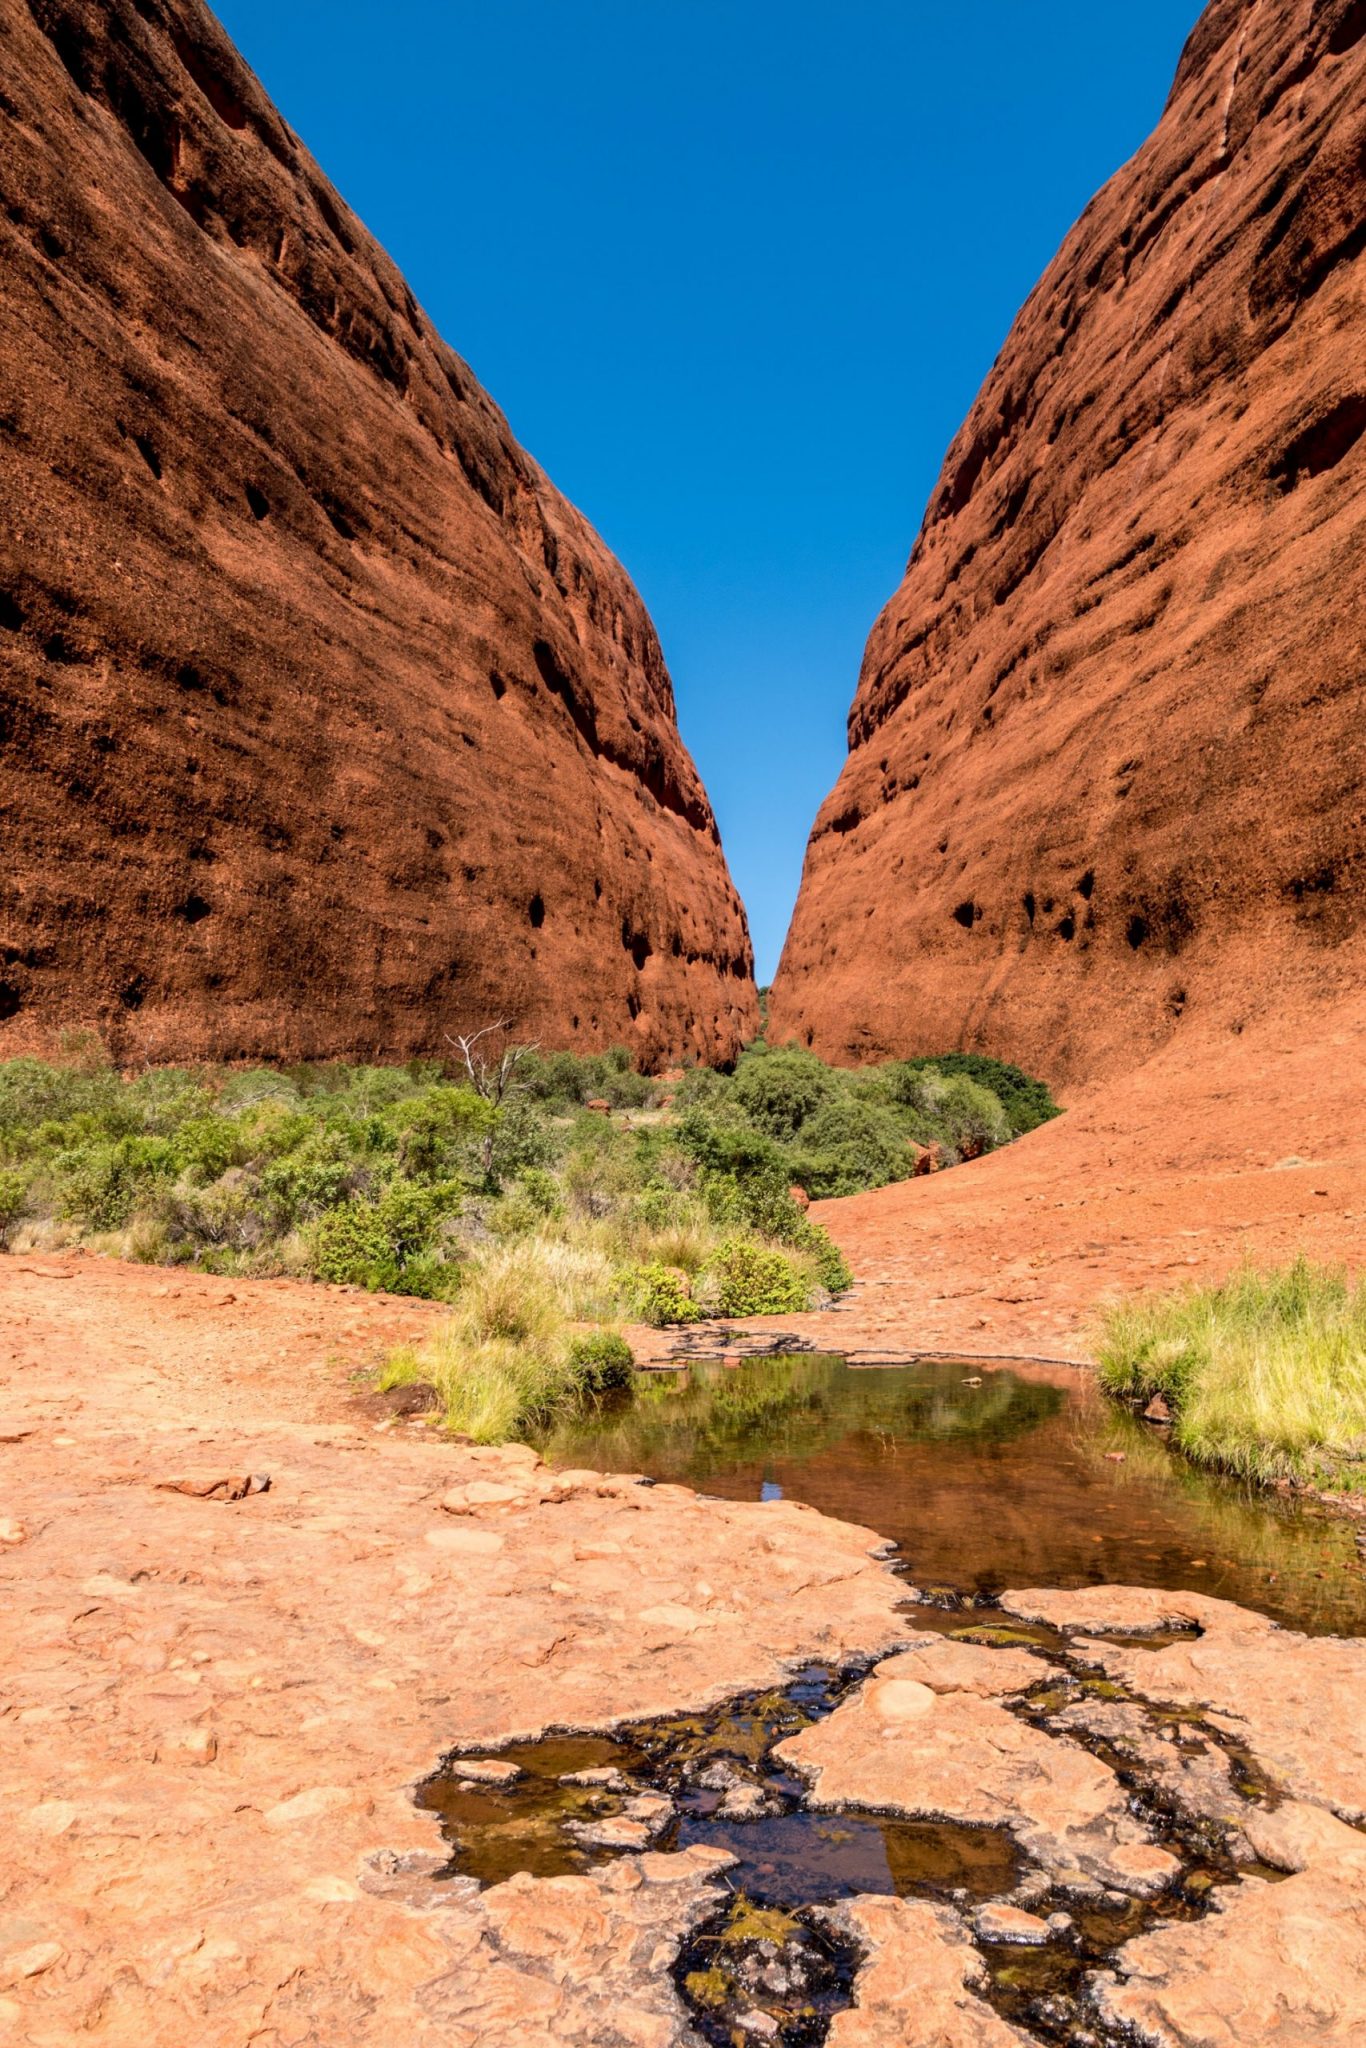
(1107,769)
(326,724)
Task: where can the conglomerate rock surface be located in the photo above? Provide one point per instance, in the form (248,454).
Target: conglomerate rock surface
(327,726)
(1105,780)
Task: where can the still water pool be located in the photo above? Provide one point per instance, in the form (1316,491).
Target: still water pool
(984,1477)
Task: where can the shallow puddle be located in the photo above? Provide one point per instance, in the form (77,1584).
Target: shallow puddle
(714,1774)
(985,1478)
(572,1802)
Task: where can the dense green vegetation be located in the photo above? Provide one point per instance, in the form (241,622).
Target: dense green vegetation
(490,1183)
(1265,1376)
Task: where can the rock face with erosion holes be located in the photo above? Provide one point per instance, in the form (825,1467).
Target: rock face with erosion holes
(1105,763)
(327,726)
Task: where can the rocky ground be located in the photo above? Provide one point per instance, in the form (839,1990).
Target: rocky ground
(215,1708)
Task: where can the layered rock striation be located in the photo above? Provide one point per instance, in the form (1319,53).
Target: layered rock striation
(1106,778)
(327,726)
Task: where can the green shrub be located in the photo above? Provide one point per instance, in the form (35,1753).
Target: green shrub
(1027,1103)
(662,1297)
(206,1147)
(13,1202)
(381,1244)
(231,1213)
(351,1248)
(521,1141)
(564,1081)
(747,1279)
(970,1117)
(32,1093)
(703,1088)
(101,1185)
(540,1190)
(735,1149)
(831,1266)
(301,1189)
(725,1198)
(780,1091)
(441,1133)
(850,1145)
(514,1215)
(602,1361)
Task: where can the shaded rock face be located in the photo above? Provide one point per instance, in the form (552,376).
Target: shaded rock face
(326,724)
(1105,774)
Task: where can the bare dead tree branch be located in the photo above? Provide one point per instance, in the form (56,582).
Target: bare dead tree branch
(492,1076)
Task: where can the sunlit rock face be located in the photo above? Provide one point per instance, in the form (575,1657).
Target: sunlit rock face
(327,726)
(1105,779)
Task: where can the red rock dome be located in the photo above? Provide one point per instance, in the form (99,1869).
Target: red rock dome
(327,726)
(1107,768)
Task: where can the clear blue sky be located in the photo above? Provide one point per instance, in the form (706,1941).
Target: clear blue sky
(734,269)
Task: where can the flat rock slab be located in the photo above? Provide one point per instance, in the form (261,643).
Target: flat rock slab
(1298,1702)
(899,1746)
(579,1960)
(918,1984)
(217,1714)
(1280,1963)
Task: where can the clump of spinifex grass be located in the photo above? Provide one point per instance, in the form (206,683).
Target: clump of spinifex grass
(511,1356)
(1265,1375)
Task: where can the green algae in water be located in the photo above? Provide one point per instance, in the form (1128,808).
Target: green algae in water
(989,1637)
(747,1921)
(494,1831)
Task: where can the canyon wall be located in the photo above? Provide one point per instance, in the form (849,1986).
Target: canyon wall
(1107,760)
(327,726)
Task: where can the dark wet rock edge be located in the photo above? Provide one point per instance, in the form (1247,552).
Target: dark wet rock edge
(787,1955)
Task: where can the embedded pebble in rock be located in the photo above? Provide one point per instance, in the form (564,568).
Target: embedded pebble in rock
(898,1747)
(918,1983)
(1295,1701)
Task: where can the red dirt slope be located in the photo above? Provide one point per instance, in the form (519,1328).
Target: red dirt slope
(327,726)
(1106,781)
